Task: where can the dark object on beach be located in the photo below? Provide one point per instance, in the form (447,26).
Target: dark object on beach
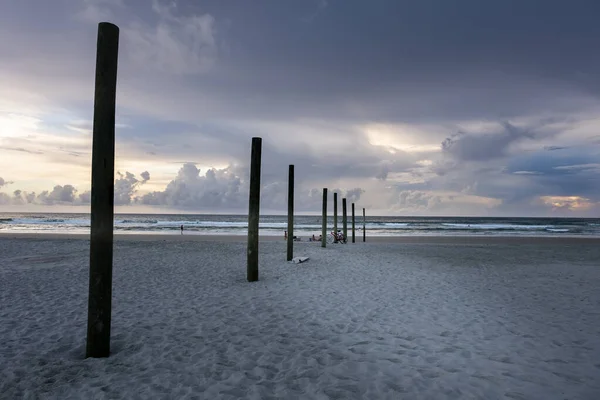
(290,222)
(335,229)
(364,226)
(336,237)
(324,220)
(253,210)
(344,218)
(103,188)
(353,230)
(299,260)
(182,229)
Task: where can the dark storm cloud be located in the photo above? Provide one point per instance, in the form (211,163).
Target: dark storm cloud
(573,173)
(358,60)
(479,53)
(520,180)
(483,147)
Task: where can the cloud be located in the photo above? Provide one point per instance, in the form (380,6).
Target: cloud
(383,172)
(126,186)
(569,203)
(177,44)
(59,195)
(19,197)
(217,188)
(469,147)
(555,148)
(227,189)
(20,149)
(321,5)
(3,182)
(85,197)
(353,195)
(591,167)
(415,199)
(98,10)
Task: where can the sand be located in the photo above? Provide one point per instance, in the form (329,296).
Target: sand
(414,318)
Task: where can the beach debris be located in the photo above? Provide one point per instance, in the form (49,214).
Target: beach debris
(298,260)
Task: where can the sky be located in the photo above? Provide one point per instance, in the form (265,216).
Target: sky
(429,107)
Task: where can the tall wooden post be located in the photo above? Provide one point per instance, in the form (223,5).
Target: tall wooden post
(290,225)
(103,189)
(364,226)
(344,219)
(254,210)
(353,231)
(324,224)
(335,229)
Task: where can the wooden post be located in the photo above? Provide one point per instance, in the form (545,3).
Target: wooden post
(353,231)
(103,189)
(324,224)
(364,226)
(344,219)
(290,226)
(254,210)
(335,229)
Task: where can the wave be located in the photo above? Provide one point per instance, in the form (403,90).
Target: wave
(497,226)
(133,221)
(304,225)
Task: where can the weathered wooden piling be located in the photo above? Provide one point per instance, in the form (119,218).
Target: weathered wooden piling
(335,204)
(254,210)
(364,226)
(353,230)
(324,224)
(344,219)
(290,223)
(103,188)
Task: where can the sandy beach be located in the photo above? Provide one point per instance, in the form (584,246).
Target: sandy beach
(393,318)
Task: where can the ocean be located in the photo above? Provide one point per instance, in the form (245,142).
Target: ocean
(274,225)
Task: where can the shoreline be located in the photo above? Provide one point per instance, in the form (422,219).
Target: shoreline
(463,240)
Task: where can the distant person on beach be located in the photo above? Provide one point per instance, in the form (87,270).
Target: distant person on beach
(182,229)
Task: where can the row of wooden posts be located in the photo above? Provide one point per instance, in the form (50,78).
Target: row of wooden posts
(254,213)
(102,198)
(324,234)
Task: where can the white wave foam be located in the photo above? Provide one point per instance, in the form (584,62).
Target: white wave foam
(497,226)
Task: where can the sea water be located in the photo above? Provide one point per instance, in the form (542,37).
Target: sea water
(304,225)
